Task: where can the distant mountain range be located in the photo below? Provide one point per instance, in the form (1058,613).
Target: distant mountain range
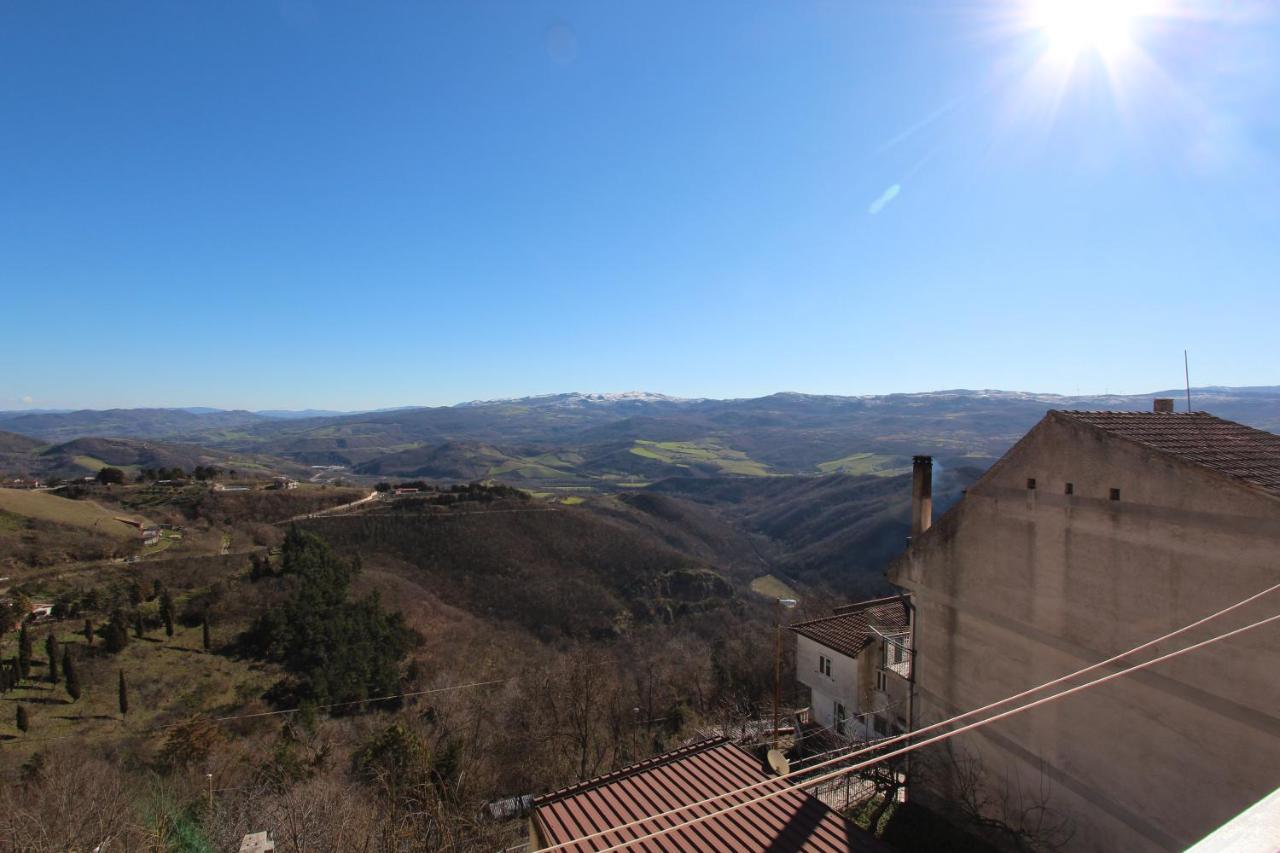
(615,441)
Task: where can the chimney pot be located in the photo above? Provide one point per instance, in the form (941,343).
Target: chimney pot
(921,494)
(1163,405)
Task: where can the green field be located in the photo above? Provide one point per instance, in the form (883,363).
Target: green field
(49,507)
(93,464)
(877,464)
(704,453)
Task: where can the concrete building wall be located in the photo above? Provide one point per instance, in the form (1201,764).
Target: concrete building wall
(1016,586)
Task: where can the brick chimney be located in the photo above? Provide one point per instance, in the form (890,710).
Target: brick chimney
(1163,405)
(921,494)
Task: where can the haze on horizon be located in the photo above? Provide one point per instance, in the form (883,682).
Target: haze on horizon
(301,205)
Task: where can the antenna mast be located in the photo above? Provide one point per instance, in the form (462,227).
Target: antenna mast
(1186,372)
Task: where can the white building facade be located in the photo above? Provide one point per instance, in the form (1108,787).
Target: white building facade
(857,666)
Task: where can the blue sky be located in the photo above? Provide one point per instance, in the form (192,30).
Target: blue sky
(353,205)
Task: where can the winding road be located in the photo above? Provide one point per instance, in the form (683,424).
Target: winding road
(333,510)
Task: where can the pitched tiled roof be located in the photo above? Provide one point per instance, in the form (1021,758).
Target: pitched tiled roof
(790,821)
(1244,453)
(850,629)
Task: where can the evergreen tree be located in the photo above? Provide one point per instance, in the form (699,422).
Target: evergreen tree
(24,723)
(88,632)
(116,636)
(73,680)
(166,612)
(124,695)
(339,650)
(51,648)
(24,652)
(206,631)
(137,624)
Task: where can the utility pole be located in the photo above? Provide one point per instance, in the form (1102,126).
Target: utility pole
(778,605)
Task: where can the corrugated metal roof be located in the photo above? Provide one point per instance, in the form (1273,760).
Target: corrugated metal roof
(791,821)
(850,629)
(1241,452)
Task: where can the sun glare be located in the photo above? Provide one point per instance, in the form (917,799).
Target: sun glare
(1075,26)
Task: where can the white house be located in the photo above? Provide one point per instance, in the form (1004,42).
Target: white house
(856,664)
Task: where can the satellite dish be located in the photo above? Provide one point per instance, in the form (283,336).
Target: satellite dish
(778,761)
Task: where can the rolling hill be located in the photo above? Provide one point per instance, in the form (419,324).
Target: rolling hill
(836,531)
(124,423)
(12,442)
(558,572)
(85,456)
(611,442)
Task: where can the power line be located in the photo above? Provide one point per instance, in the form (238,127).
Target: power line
(928,741)
(933,727)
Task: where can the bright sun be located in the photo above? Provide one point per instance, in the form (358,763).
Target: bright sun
(1074,26)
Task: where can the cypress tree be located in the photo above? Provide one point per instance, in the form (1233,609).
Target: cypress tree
(116,635)
(88,633)
(166,612)
(206,631)
(51,647)
(137,623)
(24,652)
(73,680)
(124,695)
(24,722)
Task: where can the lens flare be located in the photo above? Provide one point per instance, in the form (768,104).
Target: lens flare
(1074,26)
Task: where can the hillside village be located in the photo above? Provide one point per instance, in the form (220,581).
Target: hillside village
(264,650)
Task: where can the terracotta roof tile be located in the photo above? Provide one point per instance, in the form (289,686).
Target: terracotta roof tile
(791,821)
(850,629)
(1241,452)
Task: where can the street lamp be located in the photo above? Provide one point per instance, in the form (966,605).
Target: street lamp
(779,604)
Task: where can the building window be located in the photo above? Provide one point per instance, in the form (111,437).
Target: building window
(1070,489)
(824,665)
(1115,494)
(882,680)
(1031,484)
(840,718)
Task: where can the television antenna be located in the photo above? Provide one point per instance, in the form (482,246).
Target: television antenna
(1186,372)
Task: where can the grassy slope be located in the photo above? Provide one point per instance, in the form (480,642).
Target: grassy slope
(704,453)
(49,507)
(772,588)
(169,678)
(879,464)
